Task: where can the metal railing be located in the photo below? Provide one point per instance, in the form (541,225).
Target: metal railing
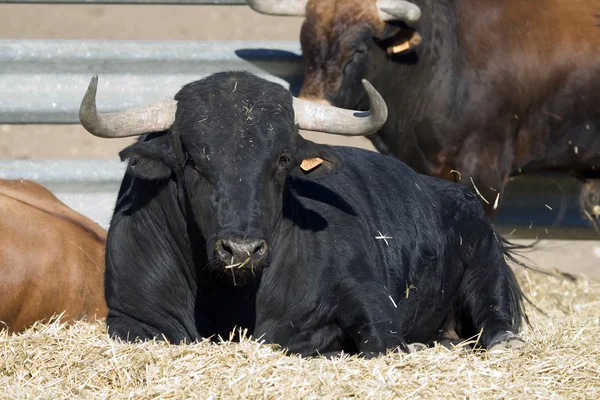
(43,81)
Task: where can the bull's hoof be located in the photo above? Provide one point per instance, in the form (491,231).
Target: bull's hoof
(505,341)
(451,344)
(414,347)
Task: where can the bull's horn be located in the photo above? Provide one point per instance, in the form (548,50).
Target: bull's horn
(398,10)
(136,121)
(312,116)
(279,7)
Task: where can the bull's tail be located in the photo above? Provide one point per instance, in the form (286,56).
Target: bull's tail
(513,253)
(516,296)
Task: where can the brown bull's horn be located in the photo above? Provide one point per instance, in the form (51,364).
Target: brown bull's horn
(312,116)
(398,10)
(136,121)
(279,7)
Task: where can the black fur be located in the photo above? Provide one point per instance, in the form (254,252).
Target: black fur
(328,284)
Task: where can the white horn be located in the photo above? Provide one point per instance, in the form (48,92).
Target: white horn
(312,116)
(133,122)
(398,10)
(279,7)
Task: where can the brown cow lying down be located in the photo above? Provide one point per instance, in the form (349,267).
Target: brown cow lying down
(51,258)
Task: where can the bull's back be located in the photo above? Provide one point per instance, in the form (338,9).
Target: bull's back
(381,188)
(530,36)
(533,57)
(51,258)
(393,212)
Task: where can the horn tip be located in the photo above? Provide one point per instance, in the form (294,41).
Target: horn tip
(367,85)
(378,104)
(93,83)
(414,14)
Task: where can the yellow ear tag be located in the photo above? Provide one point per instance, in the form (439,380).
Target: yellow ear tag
(399,48)
(310,163)
(407,43)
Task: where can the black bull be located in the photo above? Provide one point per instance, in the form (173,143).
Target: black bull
(358,255)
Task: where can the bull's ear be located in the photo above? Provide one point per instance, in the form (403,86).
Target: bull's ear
(314,158)
(150,158)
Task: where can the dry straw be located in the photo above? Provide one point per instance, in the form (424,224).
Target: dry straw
(561,360)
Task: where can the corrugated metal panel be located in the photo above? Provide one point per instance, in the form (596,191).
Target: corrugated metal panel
(88,186)
(43,81)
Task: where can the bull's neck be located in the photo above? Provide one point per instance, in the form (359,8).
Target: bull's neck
(284,232)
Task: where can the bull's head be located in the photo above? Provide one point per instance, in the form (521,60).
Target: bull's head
(239,138)
(338,38)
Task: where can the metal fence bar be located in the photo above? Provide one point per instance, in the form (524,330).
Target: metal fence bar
(67,172)
(88,186)
(43,81)
(153,2)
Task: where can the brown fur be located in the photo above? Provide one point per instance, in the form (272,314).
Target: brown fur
(530,49)
(51,258)
(333,20)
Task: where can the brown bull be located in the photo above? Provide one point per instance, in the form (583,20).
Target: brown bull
(477,90)
(51,258)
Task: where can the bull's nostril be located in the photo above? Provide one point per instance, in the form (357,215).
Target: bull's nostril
(227,249)
(224,251)
(260,248)
(239,250)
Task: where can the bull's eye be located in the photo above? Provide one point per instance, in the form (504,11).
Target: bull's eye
(284,161)
(361,50)
(355,59)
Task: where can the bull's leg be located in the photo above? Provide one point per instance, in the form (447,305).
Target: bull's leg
(589,201)
(490,299)
(368,315)
(484,168)
(147,293)
(129,329)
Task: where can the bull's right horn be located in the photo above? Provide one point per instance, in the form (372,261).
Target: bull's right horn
(398,10)
(279,7)
(312,116)
(134,122)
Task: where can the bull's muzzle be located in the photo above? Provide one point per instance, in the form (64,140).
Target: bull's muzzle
(239,253)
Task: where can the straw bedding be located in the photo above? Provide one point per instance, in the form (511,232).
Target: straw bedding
(561,360)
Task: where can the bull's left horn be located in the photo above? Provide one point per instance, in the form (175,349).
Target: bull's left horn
(398,10)
(312,116)
(134,122)
(279,7)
